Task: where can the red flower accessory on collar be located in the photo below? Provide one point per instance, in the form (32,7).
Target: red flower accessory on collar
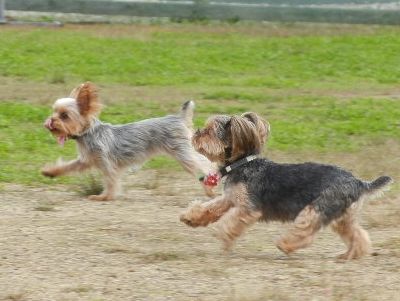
(211,179)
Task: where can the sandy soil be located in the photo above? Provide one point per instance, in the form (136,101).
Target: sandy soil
(56,245)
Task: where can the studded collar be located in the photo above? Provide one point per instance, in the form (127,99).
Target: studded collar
(228,168)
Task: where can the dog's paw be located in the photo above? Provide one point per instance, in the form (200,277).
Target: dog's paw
(349,255)
(284,246)
(49,172)
(184,219)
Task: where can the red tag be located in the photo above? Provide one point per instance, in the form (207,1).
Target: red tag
(211,180)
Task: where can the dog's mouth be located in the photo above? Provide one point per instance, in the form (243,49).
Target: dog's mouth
(61,140)
(61,137)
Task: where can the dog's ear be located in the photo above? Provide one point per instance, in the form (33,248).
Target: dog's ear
(86,98)
(245,138)
(261,124)
(74,93)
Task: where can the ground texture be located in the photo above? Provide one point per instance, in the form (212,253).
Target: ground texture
(56,245)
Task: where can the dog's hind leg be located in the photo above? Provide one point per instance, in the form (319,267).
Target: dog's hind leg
(303,231)
(353,235)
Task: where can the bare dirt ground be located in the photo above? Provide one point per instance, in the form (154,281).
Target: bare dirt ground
(56,245)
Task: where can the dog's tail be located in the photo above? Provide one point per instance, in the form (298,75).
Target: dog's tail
(187,112)
(378,186)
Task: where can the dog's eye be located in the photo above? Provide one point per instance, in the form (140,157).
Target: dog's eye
(64,115)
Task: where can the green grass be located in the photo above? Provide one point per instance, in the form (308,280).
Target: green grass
(232,71)
(319,123)
(298,124)
(202,58)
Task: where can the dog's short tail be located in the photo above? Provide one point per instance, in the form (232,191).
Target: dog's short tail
(378,186)
(187,112)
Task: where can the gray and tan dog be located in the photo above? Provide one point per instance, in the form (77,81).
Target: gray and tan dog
(114,148)
(310,195)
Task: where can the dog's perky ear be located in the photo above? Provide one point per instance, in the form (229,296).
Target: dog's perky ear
(261,124)
(245,138)
(86,98)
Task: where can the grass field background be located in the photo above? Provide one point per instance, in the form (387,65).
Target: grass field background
(327,90)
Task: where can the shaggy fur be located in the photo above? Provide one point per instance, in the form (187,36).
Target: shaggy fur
(310,195)
(114,148)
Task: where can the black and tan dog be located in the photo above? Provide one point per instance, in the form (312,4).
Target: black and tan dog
(310,195)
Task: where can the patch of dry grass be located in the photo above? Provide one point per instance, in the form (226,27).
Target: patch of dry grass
(14,297)
(161,256)
(78,289)
(92,184)
(45,207)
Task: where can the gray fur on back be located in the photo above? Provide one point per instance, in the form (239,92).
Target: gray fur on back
(134,143)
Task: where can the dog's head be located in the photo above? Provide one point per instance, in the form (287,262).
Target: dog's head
(73,115)
(226,139)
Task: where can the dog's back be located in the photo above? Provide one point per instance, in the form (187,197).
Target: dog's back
(137,141)
(282,191)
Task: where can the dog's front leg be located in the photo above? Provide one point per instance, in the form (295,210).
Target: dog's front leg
(112,183)
(202,214)
(61,168)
